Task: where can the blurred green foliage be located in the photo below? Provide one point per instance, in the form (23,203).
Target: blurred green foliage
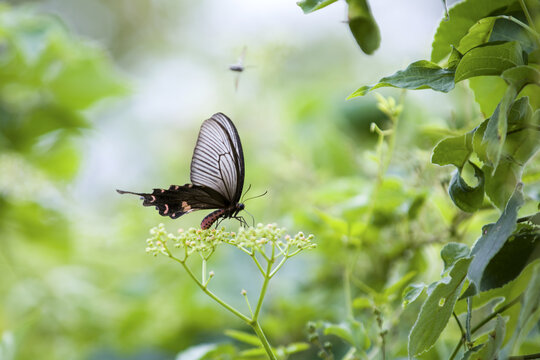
(75,281)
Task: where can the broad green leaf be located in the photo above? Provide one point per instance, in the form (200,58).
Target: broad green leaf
(479,147)
(363,26)
(418,75)
(521,249)
(494,237)
(312,5)
(460,18)
(454,59)
(488,90)
(489,59)
(522,140)
(496,29)
(243,337)
(507,30)
(452,252)
(478,34)
(453,151)
(500,184)
(437,310)
(520,76)
(495,134)
(411,293)
(467,198)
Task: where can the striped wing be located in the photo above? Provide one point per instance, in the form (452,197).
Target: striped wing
(179,200)
(218,159)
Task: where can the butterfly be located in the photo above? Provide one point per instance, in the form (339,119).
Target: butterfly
(217,177)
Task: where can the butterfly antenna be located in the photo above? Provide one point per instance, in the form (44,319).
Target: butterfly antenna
(258,196)
(245,193)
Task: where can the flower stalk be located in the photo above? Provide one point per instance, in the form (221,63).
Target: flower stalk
(267,246)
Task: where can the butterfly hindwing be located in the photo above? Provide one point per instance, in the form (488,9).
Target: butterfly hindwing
(179,200)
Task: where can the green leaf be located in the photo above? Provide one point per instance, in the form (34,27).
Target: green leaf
(312,5)
(418,75)
(494,237)
(467,198)
(452,252)
(520,76)
(243,337)
(453,151)
(488,90)
(437,310)
(507,30)
(411,293)
(521,249)
(495,133)
(522,140)
(489,60)
(363,26)
(461,17)
(479,147)
(478,34)
(500,184)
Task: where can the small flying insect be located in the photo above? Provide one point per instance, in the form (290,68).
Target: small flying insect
(238,67)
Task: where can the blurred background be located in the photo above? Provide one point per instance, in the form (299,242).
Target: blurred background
(99,95)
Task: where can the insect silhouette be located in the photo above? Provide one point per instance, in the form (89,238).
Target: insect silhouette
(238,67)
(217,177)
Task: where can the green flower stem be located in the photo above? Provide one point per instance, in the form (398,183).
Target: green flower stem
(203,271)
(257,263)
(208,292)
(526,12)
(523,25)
(264,287)
(260,334)
(468,320)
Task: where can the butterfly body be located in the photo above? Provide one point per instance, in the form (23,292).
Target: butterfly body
(231,212)
(217,177)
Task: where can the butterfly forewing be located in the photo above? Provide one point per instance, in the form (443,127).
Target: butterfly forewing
(218,159)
